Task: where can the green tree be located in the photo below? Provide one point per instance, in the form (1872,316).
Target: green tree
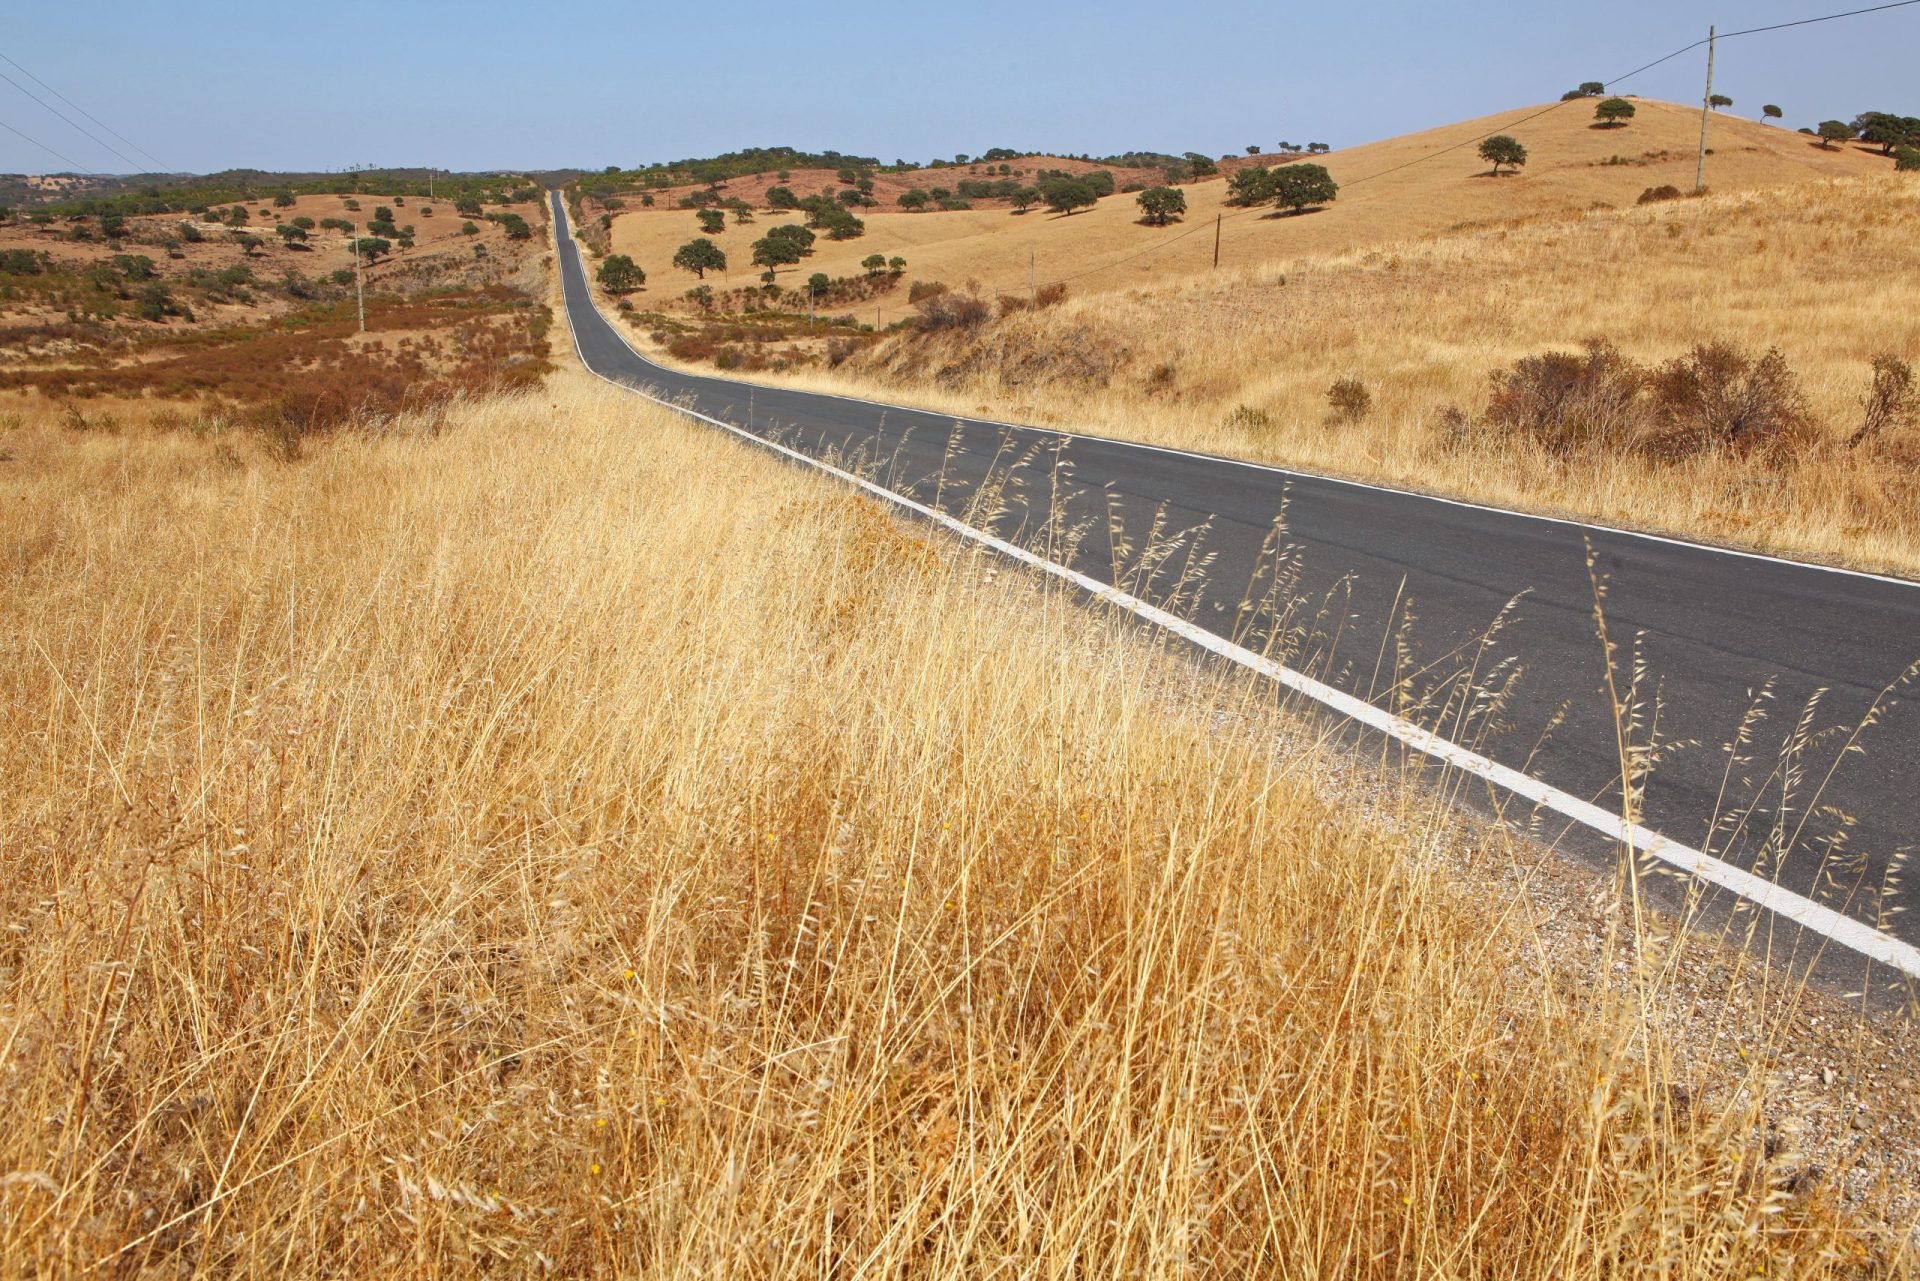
(620,275)
(896,265)
(1719,100)
(1202,166)
(468,228)
(782,198)
(874,264)
(1250,186)
(1906,159)
(1253,149)
(1025,198)
(134,266)
(1832,131)
(1613,112)
(819,283)
(249,243)
(1886,131)
(1318,148)
(712,221)
(913,199)
(1502,149)
(774,252)
(371,247)
(700,256)
(303,222)
(1161,205)
(283,200)
(1300,187)
(291,234)
(1771,112)
(1065,195)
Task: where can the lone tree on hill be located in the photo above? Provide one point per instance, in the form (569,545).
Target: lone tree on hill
(1300,187)
(1065,195)
(1614,112)
(1771,112)
(700,256)
(1161,205)
(874,264)
(1832,131)
(1318,148)
(620,275)
(1719,100)
(712,221)
(1503,149)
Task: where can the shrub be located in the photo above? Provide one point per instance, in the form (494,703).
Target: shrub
(896,265)
(1718,397)
(914,199)
(1893,400)
(1567,402)
(1906,159)
(924,289)
(1714,397)
(22,262)
(950,310)
(1161,205)
(468,228)
(134,266)
(1050,295)
(1654,195)
(1348,401)
(1248,418)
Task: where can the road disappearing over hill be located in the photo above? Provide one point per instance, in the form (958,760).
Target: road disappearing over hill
(1775,696)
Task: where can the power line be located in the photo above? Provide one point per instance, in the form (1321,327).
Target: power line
(160,164)
(71,162)
(129,161)
(1807,22)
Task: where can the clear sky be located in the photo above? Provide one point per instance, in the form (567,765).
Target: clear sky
(474,84)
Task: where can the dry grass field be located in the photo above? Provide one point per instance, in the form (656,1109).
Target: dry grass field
(1241,362)
(548,840)
(1381,201)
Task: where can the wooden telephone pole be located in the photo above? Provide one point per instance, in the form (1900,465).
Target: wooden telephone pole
(1706,110)
(1216,241)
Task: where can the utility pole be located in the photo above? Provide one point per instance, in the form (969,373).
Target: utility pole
(1216,241)
(1706,109)
(359,289)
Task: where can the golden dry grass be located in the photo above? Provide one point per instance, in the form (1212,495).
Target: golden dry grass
(1829,272)
(1566,173)
(560,842)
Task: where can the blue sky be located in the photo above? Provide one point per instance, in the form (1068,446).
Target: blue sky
(480,85)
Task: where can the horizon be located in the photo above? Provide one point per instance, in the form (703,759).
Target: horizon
(1379,73)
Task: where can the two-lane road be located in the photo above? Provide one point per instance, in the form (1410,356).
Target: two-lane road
(1714,634)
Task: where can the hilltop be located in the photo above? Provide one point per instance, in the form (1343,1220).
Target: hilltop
(1421,184)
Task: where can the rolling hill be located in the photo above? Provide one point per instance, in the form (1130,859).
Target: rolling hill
(1412,186)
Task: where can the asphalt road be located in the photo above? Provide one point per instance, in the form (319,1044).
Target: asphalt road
(1392,596)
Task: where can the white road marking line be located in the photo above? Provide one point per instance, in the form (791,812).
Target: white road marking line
(1802,911)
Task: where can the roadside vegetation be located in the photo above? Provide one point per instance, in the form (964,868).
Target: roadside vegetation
(843,902)
(1737,368)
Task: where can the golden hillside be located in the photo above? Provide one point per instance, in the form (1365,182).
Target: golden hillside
(1573,166)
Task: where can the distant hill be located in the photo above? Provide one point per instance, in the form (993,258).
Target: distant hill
(1407,187)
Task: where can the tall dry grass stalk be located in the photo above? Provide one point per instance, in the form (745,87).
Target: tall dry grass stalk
(1241,362)
(566,843)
